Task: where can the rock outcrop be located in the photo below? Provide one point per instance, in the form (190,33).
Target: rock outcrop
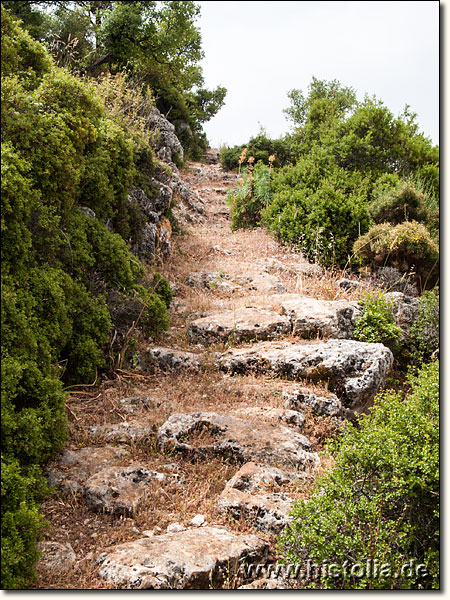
(242,324)
(169,359)
(200,558)
(355,371)
(256,494)
(201,435)
(311,317)
(121,491)
(72,468)
(325,406)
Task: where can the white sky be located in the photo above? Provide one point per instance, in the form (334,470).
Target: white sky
(261,50)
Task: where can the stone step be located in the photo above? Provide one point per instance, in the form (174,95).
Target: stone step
(353,370)
(200,558)
(256,494)
(201,435)
(311,317)
(248,323)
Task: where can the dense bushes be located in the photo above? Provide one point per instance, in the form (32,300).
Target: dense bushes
(348,165)
(157,42)
(65,153)
(261,147)
(318,207)
(379,506)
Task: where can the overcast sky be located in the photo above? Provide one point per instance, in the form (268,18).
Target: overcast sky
(261,50)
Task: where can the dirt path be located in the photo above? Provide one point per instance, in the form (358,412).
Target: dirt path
(211,269)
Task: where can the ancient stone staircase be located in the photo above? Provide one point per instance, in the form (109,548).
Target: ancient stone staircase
(258,354)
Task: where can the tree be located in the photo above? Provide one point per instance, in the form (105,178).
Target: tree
(155,43)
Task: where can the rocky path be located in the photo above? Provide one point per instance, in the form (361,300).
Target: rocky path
(185,469)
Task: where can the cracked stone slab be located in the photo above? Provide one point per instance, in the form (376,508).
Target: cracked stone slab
(248,323)
(354,371)
(126,432)
(286,415)
(169,359)
(256,494)
(121,491)
(72,469)
(198,558)
(204,434)
(311,317)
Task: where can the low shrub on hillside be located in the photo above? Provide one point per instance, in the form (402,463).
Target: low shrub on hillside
(378,508)
(404,201)
(407,247)
(377,323)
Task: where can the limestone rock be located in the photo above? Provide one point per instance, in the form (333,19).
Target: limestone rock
(242,324)
(355,371)
(135,430)
(252,279)
(164,237)
(168,359)
(206,279)
(282,415)
(200,435)
(321,405)
(133,404)
(56,557)
(256,494)
(120,491)
(72,469)
(348,284)
(198,558)
(168,146)
(405,309)
(212,156)
(311,317)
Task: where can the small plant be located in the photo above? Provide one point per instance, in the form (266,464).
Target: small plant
(252,195)
(424,332)
(377,322)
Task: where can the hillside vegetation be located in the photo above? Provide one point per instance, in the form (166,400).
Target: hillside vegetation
(358,186)
(71,287)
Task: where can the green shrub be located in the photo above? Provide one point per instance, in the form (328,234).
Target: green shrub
(21,522)
(424,332)
(404,202)
(318,207)
(61,153)
(261,147)
(380,502)
(377,323)
(406,247)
